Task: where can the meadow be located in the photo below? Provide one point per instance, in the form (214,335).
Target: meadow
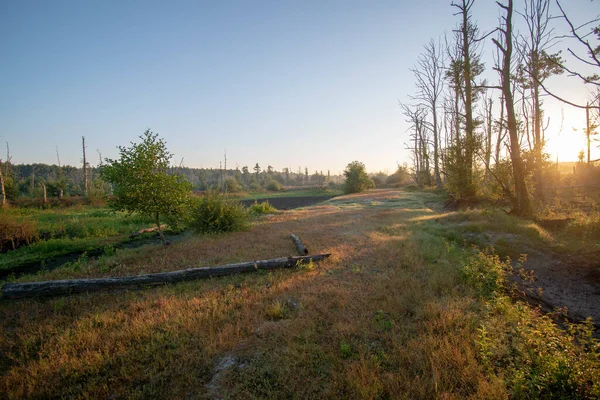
(409,305)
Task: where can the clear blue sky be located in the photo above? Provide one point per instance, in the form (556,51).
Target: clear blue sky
(285,83)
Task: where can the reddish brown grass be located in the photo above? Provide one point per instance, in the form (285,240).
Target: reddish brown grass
(374,321)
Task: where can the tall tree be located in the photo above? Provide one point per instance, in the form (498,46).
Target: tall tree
(468,64)
(504,43)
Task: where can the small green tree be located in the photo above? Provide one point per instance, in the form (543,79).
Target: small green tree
(141,183)
(357,179)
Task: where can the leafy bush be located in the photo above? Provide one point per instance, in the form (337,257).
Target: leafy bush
(357,179)
(535,357)
(262,208)
(273,185)
(214,213)
(232,185)
(486,274)
(15,233)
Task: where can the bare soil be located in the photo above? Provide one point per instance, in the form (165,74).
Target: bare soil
(289,203)
(568,280)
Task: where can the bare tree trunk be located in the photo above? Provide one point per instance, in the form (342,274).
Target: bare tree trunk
(7,163)
(44,198)
(523,206)
(501,133)
(537,120)
(488,139)
(32,182)
(85,175)
(587,131)
(3,194)
(159,228)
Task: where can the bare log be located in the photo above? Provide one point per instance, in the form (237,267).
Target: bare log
(63,287)
(146,230)
(302,250)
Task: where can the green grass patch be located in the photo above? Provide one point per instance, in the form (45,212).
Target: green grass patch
(63,231)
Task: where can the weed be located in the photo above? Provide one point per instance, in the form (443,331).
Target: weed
(383,321)
(276,310)
(306,265)
(345,349)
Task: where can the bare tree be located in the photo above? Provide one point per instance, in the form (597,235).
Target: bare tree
(416,116)
(3,194)
(429,74)
(85,172)
(505,45)
(488,118)
(593,52)
(537,66)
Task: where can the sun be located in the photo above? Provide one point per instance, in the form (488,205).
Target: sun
(566,139)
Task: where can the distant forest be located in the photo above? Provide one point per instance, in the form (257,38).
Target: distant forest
(28,180)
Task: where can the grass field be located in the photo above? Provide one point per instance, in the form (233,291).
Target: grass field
(404,308)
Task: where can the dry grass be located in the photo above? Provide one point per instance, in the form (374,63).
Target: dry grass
(387,316)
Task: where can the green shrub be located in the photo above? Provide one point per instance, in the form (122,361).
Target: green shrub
(273,186)
(232,185)
(214,213)
(486,273)
(357,179)
(262,208)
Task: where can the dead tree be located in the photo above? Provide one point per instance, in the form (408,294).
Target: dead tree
(85,175)
(71,286)
(3,194)
(505,44)
(416,116)
(488,118)
(538,66)
(429,75)
(44,198)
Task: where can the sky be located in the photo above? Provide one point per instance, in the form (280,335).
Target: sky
(282,83)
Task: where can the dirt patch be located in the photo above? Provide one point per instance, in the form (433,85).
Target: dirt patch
(570,281)
(288,203)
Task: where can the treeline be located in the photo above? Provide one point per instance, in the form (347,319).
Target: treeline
(32,180)
(486,137)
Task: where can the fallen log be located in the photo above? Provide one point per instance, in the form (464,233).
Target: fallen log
(302,250)
(62,287)
(146,230)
